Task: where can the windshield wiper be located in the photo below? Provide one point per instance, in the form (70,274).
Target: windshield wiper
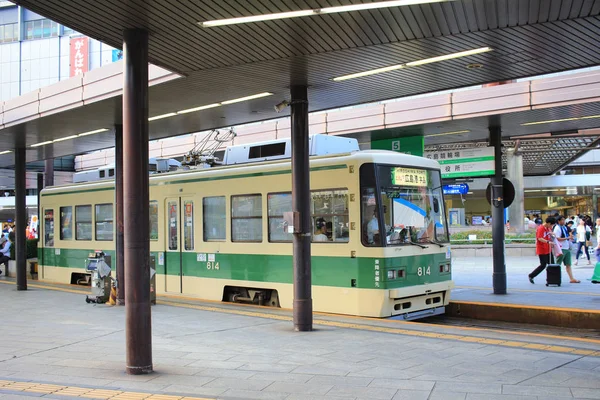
(434,242)
(417,244)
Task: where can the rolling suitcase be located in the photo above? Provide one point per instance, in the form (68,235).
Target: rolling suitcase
(553,273)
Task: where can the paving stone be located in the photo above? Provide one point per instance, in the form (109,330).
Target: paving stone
(403,384)
(194,380)
(412,395)
(380,372)
(370,393)
(241,384)
(586,393)
(317,397)
(536,390)
(267,367)
(246,394)
(298,388)
(281,377)
(488,396)
(193,390)
(443,395)
(468,387)
(340,380)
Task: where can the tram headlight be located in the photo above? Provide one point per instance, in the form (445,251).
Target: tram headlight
(391,274)
(445,268)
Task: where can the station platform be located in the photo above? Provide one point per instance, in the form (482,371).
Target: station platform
(574,305)
(56,346)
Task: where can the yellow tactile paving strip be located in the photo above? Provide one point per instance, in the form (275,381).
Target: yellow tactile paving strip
(392,330)
(87,393)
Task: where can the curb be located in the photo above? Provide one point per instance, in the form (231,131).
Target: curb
(563,317)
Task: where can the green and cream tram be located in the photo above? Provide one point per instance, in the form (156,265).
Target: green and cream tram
(219,233)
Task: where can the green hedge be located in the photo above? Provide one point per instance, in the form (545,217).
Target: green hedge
(485,237)
(31,245)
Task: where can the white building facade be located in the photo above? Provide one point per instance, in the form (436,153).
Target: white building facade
(37,52)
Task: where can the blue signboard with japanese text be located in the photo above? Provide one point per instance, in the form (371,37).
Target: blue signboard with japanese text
(459,188)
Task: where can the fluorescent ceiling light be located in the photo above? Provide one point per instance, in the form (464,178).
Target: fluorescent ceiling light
(162,116)
(223,103)
(64,138)
(371,6)
(367,73)
(92,132)
(254,96)
(256,18)
(532,191)
(41,144)
(550,121)
(448,133)
(315,11)
(444,57)
(5,151)
(69,137)
(449,56)
(189,110)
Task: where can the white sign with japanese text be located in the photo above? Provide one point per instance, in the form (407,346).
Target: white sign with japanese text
(465,162)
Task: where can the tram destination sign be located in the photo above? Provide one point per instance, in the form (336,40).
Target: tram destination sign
(464,162)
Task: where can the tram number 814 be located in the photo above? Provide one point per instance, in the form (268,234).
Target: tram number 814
(424,271)
(212,265)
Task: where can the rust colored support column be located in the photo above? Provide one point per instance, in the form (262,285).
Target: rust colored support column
(49,172)
(120,263)
(303,318)
(138,321)
(20,218)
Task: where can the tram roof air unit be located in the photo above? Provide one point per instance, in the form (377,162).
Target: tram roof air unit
(155,165)
(318,145)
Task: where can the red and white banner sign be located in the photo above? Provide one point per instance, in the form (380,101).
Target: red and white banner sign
(79,55)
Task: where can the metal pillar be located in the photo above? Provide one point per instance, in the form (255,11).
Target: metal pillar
(514,172)
(49,173)
(138,322)
(40,186)
(20,218)
(499,276)
(301,208)
(119,215)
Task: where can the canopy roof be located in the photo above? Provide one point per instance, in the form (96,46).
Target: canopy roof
(526,37)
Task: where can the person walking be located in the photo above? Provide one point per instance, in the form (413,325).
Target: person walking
(584,233)
(597,253)
(543,240)
(564,239)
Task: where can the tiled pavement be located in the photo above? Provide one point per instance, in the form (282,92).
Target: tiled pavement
(55,338)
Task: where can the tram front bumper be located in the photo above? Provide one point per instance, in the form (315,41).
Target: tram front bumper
(421,290)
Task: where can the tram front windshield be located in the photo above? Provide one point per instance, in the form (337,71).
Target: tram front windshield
(410,203)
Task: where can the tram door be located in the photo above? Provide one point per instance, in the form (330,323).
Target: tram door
(180,241)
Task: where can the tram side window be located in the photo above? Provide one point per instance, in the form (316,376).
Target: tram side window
(246,218)
(104,222)
(213,212)
(329,209)
(66,223)
(172,229)
(83,222)
(49,228)
(278,204)
(369,215)
(153,220)
(188,225)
